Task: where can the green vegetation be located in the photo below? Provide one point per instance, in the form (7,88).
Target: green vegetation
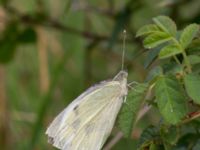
(174,89)
(51,51)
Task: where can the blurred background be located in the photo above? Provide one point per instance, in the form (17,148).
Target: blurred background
(51,51)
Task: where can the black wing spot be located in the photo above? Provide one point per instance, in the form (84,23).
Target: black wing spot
(76,109)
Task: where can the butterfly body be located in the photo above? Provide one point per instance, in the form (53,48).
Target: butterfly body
(88,121)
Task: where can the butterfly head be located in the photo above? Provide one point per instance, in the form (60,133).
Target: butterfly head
(122,78)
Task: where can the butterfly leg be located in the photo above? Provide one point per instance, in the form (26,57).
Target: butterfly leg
(133,82)
(137,84)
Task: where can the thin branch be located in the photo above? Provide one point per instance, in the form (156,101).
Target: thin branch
(191,117)
(118,136)
(49,22)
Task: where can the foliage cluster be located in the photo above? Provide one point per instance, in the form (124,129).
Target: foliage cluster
(174,84)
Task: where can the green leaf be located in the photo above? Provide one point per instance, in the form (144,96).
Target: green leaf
(148,136)
(169,51)
(192,85)
(152,55)
(196,69)
(166,24)
(169,134)
(188,35)
(171,101)
(194,59)
(128,114)
(185,140)
(147,29)
(155,39)
(197,145)
(194,46)
(154,72)
(172,68)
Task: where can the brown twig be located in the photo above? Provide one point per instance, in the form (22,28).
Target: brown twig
(49,22)
(118,136)
(191,117)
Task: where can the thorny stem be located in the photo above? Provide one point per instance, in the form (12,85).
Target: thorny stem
(191,117)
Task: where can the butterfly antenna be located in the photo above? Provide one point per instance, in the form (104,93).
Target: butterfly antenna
(123,50)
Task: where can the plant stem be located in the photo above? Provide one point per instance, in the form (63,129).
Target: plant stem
(187,62)
(176,59)
(191,117)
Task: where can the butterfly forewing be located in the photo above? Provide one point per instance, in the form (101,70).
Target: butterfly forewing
(69,124)
(86,123)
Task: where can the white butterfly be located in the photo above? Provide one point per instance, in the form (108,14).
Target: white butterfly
(88,121)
